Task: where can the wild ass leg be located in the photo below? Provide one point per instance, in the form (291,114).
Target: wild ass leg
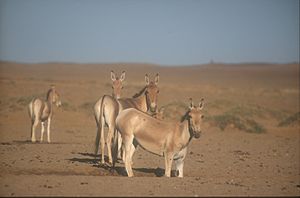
(121,154)
(102,140)
(42,131)
(179,167)
(179,162)
(127,144)
(48,130)
(111,131)
(168,164)
(33,128)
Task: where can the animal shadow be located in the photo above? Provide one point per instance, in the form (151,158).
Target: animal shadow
(158,172)
(94,160)
(37,142)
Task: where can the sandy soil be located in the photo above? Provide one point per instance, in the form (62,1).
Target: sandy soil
(221,162)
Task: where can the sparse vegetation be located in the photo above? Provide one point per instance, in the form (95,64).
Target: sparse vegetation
(253,111)
(68,107)
(240,117)
(24,100)
(244,124)
(87,106)
(174,110)
(291,120)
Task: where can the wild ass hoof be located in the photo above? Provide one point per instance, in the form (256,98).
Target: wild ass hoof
(33,140)
(112,170)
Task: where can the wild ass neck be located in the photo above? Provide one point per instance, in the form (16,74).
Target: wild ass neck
(49,102)
(186,131)
(142,102)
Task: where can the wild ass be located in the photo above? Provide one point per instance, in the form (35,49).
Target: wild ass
(107,103)
(117,84)
(162,138)
(107,109)
(42,111)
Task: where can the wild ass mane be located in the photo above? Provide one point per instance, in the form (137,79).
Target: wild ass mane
(140,93)
(151,84)
(185,116)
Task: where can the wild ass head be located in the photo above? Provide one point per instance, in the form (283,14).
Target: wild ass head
(151,92)
(117,84)
(53,96)
(195,117)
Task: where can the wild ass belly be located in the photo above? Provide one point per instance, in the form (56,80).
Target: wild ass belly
(150,142)
(45,113)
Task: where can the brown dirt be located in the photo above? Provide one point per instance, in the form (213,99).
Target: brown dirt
(221,162)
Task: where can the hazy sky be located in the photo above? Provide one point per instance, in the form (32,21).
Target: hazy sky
(170,32)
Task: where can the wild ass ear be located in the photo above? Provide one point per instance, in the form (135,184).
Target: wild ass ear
(52,87)
(112,75)
(147,79)
(122,78)
(201,104)
(156,79)
(191,103)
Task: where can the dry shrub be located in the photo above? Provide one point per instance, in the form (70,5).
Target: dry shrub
(244,124)
(292,120)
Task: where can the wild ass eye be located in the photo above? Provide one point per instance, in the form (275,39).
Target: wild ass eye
(157,91)
(202,116)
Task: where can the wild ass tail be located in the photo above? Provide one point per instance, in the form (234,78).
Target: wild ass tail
(30,110)
(98,118)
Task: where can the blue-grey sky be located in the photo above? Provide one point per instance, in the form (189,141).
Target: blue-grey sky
(168,32)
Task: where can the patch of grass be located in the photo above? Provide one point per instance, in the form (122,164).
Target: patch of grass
(291,120)
(174,110)
(87,106)
(244,124)
(68,107)
(24,100)
(14,107)
(254,111)
(220,104)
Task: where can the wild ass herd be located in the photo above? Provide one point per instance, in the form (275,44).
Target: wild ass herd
(131,122)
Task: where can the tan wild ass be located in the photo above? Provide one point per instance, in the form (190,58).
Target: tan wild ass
(117,84)
(42,111)
(162,138)
(107,109)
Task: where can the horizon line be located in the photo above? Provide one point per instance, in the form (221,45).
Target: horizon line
(149,63)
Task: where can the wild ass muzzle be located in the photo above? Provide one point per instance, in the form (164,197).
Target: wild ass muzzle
(42,111)
(159,137)
(107,109)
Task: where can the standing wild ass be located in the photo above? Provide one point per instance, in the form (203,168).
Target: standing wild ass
(117,84)
(107,109)
(42,111)
(162,138)
(106,105)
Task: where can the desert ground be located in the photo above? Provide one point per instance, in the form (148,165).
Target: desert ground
(250,142)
